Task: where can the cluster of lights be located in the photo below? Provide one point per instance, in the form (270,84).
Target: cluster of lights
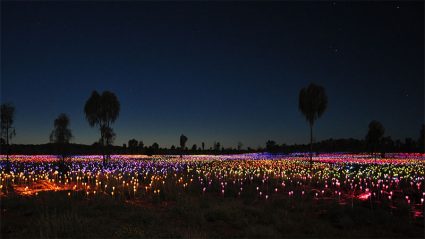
(397,179)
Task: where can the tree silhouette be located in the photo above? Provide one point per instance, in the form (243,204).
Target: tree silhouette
(374,136)
(271,146)
(194,147)
(312,103)
(141,146)
(217,146)
(409,144)
(183,140)
(109,135)
(387,145)
(203,146)
(153,149)
(240,146)
(132,145)
(102,111)
(61,135)
(7,129)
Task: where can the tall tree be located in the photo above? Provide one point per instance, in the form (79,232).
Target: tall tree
(102,111)
(183,140)
(313,102)
(7,129)
(61,135)
(374,136)
(203,146)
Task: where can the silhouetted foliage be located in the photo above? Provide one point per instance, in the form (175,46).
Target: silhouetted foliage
(132,143)
(102,111)
(313,102)
(109,137)
(7,129)
(374,136)
(328,145)
(271,146)
(387,145)
(194,147)
(409,143)
(183,140)
(132,146)
(203,146)
(141,146)
(217,146)
(61,135)
(153,149)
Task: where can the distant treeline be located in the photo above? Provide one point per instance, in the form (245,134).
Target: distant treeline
(329,145)
(387,145)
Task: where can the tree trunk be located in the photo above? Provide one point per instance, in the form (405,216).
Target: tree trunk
(7,143)
(102,141)
(374,152)
(7,149)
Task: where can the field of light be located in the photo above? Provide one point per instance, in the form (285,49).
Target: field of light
(393,182)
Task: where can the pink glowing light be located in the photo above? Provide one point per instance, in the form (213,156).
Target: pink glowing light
(364,196)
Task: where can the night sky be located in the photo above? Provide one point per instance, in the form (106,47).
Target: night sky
(214,71)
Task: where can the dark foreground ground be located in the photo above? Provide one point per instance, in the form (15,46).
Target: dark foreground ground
(56,215)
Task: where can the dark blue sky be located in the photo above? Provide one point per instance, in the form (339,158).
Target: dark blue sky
(214,71)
